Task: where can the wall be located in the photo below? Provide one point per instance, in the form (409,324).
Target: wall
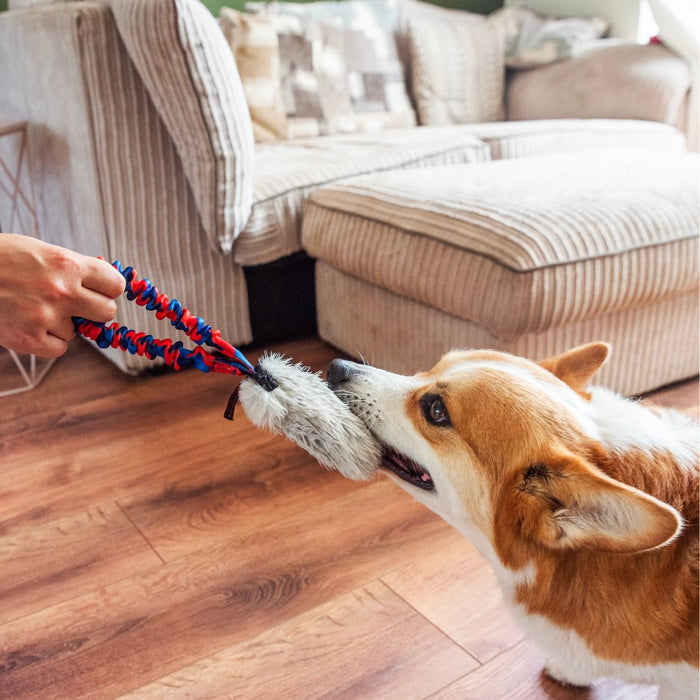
(482,6)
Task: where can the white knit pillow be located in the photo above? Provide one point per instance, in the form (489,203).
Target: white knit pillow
(458,70)
(191,76)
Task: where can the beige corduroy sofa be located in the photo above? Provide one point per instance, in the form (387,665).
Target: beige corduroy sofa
(143,151)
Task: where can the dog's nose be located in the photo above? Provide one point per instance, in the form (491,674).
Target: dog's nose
(339,371)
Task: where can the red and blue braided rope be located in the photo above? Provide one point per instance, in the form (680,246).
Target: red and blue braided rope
(226,359)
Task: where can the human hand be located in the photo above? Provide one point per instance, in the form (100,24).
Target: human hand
(42,286)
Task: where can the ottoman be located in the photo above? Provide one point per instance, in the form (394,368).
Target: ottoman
(530,256)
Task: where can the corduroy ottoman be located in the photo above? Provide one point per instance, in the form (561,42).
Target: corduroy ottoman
(530,256)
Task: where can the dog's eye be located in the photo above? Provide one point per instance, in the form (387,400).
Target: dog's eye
(435,410)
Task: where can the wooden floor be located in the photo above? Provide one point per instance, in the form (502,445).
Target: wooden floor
(149,548)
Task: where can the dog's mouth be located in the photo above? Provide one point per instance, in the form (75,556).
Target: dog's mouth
(407,469)
(394,461)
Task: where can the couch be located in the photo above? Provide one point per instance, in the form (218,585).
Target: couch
(143,150)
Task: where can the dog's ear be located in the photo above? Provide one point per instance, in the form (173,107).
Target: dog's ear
(567,503)
(575,367)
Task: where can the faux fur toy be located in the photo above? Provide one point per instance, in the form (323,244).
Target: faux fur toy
(302,407)
(276,394)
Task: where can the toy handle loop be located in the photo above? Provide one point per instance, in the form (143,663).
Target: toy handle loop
(225,359)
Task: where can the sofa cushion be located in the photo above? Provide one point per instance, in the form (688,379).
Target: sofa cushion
(376,79)
(191,76)
(287,172)
(544,136)
(642,82)
(523,245)
(420,11)
(458,70)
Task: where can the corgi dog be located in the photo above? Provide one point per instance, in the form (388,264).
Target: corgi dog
(584,503)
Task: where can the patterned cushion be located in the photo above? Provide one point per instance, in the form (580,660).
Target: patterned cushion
(376,79)
(458,70)
(255,47)
(191,76)
(534,40)
(375,75)
(312,75)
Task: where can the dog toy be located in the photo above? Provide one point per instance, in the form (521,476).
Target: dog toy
(275,394)
(303,408)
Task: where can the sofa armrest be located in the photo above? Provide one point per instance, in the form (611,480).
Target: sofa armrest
(190,73)
(608,79)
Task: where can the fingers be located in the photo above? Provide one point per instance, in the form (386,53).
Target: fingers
(40,344)
(101,284)
(51,342)
(99,276)
(51,346)
(62,328)
(93,306)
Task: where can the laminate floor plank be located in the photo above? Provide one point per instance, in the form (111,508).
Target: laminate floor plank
(456,589)
(355,646)
(232,499)
(46,563)
(69,380)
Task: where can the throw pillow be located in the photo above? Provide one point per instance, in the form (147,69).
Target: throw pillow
(189,72)
(458,70)
(533,40)
(253,41)
(418,11)
(375,75)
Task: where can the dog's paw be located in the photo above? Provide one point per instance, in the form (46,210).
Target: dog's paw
(557,674)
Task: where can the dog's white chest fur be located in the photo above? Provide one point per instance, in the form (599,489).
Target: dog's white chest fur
(569,660)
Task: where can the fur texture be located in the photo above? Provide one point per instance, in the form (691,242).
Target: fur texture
(304,409)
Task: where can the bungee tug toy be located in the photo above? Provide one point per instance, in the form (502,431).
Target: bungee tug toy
(275,394)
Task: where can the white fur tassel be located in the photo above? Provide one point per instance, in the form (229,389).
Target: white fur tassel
(303,408)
